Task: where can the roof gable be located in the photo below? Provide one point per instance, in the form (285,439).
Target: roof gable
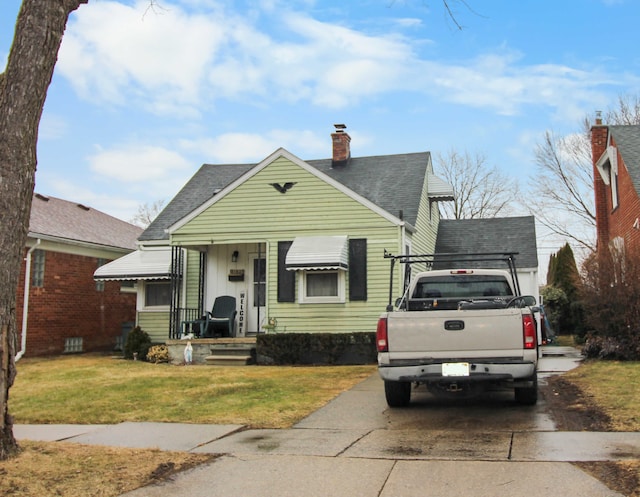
(282,160)
(391,185)
(627,139)
(508,234)
(72,222)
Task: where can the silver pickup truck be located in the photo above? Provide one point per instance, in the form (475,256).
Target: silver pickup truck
(459,332)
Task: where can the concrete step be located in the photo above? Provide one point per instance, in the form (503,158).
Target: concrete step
(231,350)
(229,360)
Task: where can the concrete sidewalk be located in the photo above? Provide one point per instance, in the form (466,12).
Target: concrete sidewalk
(354,446)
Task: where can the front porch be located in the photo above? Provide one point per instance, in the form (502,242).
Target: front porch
(214,351)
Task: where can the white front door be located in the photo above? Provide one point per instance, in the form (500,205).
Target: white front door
(257,292)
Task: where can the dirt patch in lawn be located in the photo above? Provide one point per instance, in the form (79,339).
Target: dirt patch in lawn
(573,410)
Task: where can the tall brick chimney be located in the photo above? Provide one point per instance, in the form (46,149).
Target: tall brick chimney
(599,142)
(341,146)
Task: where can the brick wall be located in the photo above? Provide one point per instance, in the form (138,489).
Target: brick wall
(599,136)
(612,223)
(621,220)
(68,305)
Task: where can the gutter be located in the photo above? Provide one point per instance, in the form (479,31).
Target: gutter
(25,303)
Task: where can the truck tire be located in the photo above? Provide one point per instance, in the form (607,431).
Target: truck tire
(398,393)
(528,396)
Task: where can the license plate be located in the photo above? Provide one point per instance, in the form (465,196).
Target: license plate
(455,369)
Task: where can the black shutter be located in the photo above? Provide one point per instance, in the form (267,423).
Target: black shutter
(286,279)
(358,269)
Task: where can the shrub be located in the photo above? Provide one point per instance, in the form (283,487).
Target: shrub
(610,294)
(138,342)
(158,353)
(316,348)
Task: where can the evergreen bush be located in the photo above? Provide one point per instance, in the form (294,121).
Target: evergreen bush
(138,342)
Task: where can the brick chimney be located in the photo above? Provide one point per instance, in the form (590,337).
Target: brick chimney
(341,146)
(599,142)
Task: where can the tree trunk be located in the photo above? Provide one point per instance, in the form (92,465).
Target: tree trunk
(23,89)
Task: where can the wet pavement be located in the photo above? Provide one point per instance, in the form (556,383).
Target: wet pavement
(356,445)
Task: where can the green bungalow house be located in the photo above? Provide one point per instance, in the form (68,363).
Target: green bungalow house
(299,244)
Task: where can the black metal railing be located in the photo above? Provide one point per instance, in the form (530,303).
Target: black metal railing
(185,315)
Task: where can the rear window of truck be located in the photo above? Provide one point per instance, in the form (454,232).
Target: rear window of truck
(462,286)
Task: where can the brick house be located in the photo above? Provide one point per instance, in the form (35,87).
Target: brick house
(60,306)
(616,174)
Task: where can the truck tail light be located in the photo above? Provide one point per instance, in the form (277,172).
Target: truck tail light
(381,336)
(529,331)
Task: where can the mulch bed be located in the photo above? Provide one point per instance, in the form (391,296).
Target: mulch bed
(573,410)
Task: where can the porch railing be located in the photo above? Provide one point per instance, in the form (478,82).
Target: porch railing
(185,314)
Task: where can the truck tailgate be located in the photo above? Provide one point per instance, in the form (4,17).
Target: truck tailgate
(455,333)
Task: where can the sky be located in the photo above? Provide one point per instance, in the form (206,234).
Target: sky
(146,92)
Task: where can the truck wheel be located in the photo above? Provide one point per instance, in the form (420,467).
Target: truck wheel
(398,393)
(528,396)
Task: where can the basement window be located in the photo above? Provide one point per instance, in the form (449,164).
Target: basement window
(72,345)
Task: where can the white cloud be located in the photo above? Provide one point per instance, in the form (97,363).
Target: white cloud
(179,62)
(111,49)
(251,147)
(121,206)
(142,164)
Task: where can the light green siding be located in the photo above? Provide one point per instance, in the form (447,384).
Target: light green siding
(192,272)
(424,240)
(155,324)
(256,212)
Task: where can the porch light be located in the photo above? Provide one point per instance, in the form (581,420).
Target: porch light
(234,256)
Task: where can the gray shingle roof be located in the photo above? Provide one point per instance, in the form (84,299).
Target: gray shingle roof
(70,221)
(393,182)
(627,139)
(208,180)
(507,234)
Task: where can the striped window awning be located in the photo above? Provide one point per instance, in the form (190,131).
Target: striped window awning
(153,264)
(317,253)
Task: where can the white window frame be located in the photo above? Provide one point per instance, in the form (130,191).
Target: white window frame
(340,298)
(144,297)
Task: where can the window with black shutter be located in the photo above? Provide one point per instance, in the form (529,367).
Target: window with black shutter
(358,269)
(286,279)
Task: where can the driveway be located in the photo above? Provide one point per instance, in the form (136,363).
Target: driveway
(356,445)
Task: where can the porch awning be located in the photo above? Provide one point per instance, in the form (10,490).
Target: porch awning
(438,189)
(318,252)
(152,264)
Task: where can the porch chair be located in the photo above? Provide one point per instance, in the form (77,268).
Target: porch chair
(221,320)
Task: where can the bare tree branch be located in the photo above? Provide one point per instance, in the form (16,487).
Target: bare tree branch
(480,191)
(562,197)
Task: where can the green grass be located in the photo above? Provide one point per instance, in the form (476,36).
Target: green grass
(615,387)
(95,389)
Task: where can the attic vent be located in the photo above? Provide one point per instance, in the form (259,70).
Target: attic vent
(42,197)
(84,207)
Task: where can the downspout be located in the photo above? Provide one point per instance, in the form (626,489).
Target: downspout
(25,303)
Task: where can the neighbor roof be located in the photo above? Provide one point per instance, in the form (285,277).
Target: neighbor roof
(73,222)
(393,182)
(627,140)
(507,234)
